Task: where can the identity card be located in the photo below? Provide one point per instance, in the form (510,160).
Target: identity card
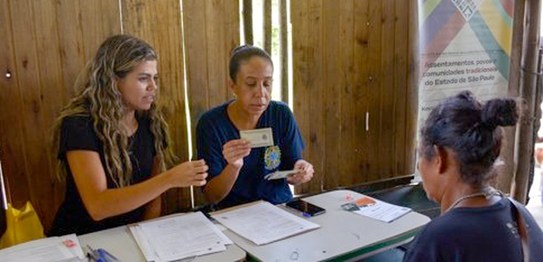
(280,174)
(258,137)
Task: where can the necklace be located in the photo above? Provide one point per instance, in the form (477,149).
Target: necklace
(487,193)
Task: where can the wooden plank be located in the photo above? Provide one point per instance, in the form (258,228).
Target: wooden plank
(359,96)
(12,148)
(333,60)
(412,93)
(401,86)
(267,26)
(212,31)
(248,21)
(387,124)
(217,73)
(196,46)
(70,35)
(306,17)
(232,36)
(111,19)
(38,171)
(52,92)
(350,145)
(373,91)
(99,19)
(91,27)
(159,23)
(283,28)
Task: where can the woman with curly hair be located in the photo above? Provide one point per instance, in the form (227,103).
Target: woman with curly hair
(113,144)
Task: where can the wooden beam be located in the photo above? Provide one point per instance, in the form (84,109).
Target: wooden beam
(267,26)
(248,21)
(528,84)
(283,24)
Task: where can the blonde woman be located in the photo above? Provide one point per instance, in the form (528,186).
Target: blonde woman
(112,143)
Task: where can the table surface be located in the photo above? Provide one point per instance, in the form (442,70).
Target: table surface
(120,242)
(342,236)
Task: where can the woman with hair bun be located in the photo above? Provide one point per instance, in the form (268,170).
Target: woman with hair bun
(459,146)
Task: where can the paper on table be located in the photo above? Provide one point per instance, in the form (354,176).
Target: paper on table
(262,222)
(178,237)
(379,210)
(65,248)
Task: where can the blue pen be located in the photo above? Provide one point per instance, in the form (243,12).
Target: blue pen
(101,255)
(108,257)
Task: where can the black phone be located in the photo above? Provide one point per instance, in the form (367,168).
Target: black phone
(308,209)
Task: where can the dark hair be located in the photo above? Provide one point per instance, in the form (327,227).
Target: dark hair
(470,129)
(244,53)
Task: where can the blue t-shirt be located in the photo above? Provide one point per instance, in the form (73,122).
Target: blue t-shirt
(476,234)
(215,128)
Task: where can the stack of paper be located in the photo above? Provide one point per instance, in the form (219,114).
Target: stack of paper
(262,222)
(379,210)
(178,237)
(65,248)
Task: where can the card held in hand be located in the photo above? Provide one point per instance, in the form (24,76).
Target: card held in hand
(280,174)
(261,137)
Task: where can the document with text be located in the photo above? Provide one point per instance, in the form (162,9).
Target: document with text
(262,222)
(64,248)
(379,210)
(177,237)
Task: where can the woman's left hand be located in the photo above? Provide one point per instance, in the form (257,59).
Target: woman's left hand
(304,174)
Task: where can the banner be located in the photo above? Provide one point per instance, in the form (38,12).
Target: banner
(464,45)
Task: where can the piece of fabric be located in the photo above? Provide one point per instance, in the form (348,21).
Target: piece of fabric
(22,225)
(476,234)
(77,133)
(215,128)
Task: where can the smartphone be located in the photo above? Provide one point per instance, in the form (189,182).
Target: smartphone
(307,209)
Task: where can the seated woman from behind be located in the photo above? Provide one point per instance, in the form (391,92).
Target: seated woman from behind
(459,145)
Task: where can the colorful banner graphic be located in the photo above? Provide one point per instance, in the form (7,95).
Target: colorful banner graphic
(464,45)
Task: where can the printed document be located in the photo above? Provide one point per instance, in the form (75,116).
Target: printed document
(65,248)
(178,237)
(379,210)
(262,222)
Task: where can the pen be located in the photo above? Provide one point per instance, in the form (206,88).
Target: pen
(100,255)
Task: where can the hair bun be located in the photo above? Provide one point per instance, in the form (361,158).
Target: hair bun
(499,112)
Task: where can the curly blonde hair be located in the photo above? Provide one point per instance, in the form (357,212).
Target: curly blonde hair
(98,97)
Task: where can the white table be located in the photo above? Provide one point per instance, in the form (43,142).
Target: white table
(119,242)
(343,235)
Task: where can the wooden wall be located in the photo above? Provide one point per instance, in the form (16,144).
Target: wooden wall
(350,57)
(211,32)
(352,97)
(46,43)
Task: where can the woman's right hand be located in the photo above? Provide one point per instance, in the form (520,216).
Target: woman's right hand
(235,150)
(190,173)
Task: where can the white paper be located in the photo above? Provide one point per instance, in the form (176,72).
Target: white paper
(45,249)
(280,174)
(261,137)
(179,237)
(383,211)
(262,222)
